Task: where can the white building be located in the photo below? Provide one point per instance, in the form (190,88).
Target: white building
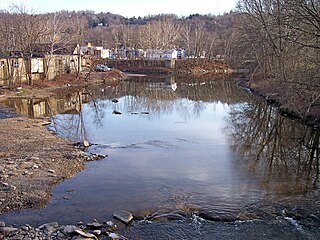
(152,54)
(93,51)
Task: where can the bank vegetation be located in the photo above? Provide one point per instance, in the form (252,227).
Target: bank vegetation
(281,41)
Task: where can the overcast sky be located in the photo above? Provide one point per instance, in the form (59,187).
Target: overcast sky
(129,8)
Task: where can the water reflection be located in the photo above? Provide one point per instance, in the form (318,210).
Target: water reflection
(63,103)
(142,96)
(283,150)
(194,145)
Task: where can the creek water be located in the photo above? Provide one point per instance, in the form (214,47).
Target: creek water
(190,158)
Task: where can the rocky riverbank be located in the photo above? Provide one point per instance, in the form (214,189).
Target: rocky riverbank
(54,231)
(94,230)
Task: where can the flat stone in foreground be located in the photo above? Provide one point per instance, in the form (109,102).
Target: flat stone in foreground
(123,216)
(85,234)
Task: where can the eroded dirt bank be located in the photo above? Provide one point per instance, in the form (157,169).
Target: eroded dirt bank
(297,100)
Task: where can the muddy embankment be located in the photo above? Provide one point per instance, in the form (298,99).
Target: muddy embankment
(297,100)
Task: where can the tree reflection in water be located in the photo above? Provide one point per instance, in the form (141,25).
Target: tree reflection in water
(284,152)
(158,96)
(75,129)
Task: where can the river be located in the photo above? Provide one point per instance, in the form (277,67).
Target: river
(190,158)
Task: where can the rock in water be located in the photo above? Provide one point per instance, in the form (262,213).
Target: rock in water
(123,216)
(86,143)
(114,100)
(116,112)
(46,123)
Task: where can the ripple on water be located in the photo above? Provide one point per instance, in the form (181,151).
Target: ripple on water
(195,227)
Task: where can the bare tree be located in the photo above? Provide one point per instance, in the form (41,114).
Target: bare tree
(170,32)
(282,34)
(57,37)
(159,34)
(198,39)
(30,30)
(149,36)
(186,35)
(8,42)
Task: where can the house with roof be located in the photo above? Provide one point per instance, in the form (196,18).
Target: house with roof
(97,51)
(47,62)
(12,69)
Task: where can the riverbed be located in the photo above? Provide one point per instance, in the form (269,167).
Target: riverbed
(186,157)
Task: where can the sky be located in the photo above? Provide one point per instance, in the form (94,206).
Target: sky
(128,8)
